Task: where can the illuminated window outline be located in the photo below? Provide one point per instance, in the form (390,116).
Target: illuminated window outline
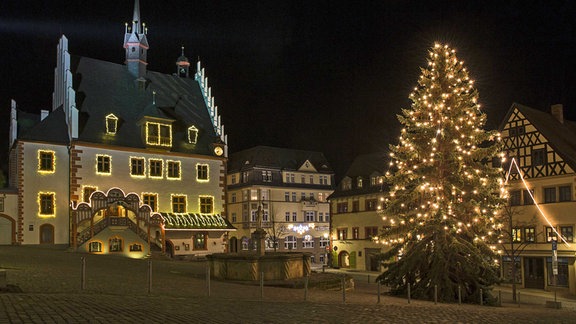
(46,166)
(160,174)
(103,164)
(178,196)
(158,139)
(111,124)
(84,189)
(97,244)
(50,209)
(206,201)
(202,175)
(135,247)
(192,134)
(169,170)
(146,201)
(131,166)
(118,244)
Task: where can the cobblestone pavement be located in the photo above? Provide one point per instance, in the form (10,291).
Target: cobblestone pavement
(117,291)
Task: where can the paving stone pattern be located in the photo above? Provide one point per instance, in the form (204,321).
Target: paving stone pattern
(117,292)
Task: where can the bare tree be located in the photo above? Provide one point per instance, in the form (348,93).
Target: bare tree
(512,243)
(277,228)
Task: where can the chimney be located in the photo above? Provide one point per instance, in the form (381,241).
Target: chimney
(558,112)
(43,114)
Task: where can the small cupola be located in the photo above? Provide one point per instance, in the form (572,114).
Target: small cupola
(182,65)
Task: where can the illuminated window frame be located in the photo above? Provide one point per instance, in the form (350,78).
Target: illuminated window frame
(192,134)
(206,204)
(84,189)
(184,203)
(111,124)
(103,161)
(202,172)
(46,169)
(158,140)
(51,211)
(169,170)
(131,166)
(146,200)
(95,246)
(160,174)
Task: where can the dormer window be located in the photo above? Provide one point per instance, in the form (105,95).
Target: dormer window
(192,134)
(359,182)
(111,124)
(158,134)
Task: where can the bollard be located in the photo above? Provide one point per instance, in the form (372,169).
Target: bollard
(481,300)
(378,291)
(435,294)
(459,295)
(208,288)
(518,300)
(500,298)
(261,285)
(368,278)
(344,289)
(149,276)
(408,293)
(83,274)
(306,287)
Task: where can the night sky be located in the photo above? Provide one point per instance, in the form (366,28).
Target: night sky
(327,76)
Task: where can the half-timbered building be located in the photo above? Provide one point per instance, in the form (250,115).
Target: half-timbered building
(540,150)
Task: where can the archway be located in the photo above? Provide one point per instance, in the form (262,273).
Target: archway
(233,244)
(344,259)
(46,234)
(7,230)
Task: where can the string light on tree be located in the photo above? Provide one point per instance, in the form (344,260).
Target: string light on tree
(442,208)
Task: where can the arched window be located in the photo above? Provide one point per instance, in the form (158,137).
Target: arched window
(46,234)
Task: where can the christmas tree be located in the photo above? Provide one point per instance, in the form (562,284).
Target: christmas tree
(444,194)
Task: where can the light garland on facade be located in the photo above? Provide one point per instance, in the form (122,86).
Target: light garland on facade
(200,203)
(157,140)
(161,173)
(172,195)
(53,164)
(53,204)
(514,163)
(104,157)
(192,134)
(152,194)
(173,163)
(111,124)
(301,228)
(139,158)
(198,165)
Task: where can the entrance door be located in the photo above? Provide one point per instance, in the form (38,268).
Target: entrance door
(534,273)
(46,234)
(233,244)
(6,230)
(372,262)
(344,259)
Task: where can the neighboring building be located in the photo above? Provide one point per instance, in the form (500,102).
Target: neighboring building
(544,146)
(356,206)
(290,187)
(127,160)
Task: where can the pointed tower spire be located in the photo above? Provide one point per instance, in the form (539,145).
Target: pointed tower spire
(182,65)
(136,45)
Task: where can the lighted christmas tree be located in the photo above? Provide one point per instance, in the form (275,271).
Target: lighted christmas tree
(444,194)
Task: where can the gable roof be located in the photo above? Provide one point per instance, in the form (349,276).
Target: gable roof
(365,166)
(277,158)
(104,87)
(561,136)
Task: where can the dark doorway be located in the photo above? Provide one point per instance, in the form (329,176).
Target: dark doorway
(534,273)
(233,244)
(372,260)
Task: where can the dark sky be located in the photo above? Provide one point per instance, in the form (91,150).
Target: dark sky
(328,76)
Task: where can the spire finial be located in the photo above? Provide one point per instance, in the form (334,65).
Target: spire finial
(136,17)
(182,50)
